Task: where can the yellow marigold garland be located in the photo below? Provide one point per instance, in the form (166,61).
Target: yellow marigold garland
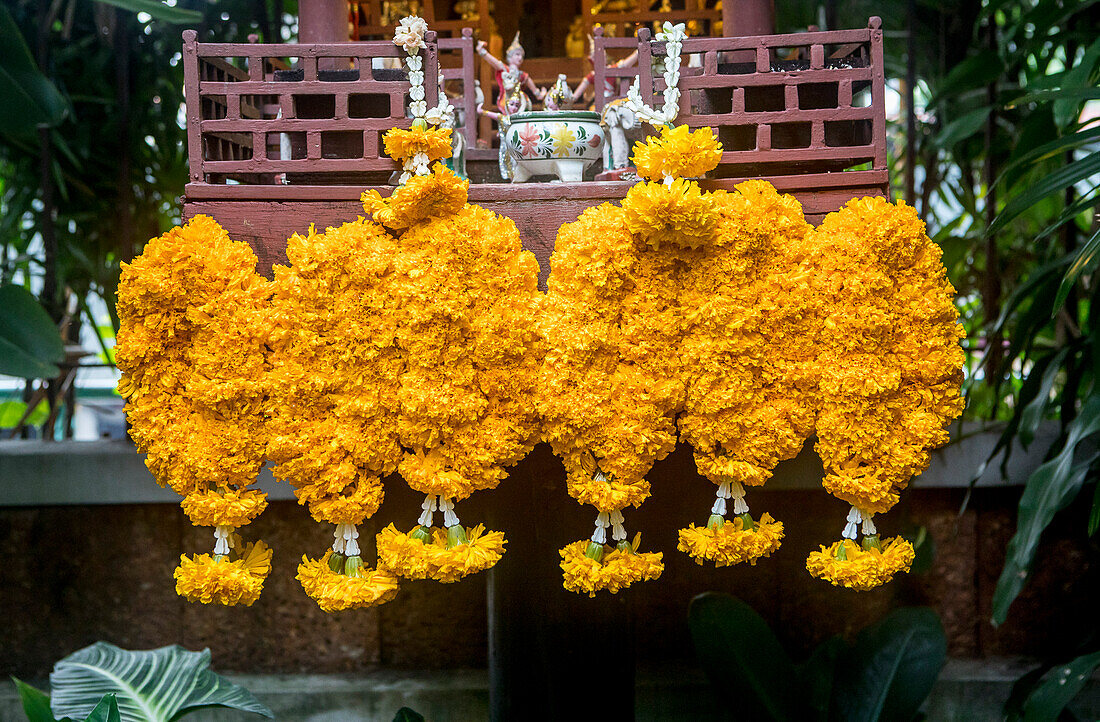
(435,143)
(437,195)
(748,313)
(892,337)
(676,212)
(860,567)
(233,508)
(729,542)
(335,370)
(430,554)
(191,349)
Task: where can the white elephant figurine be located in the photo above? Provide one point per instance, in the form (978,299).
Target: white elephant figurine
(618,118)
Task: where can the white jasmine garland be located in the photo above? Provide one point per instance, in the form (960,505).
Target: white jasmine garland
(409,35)
(673,37)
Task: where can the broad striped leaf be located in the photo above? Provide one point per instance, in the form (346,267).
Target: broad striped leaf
(150,686)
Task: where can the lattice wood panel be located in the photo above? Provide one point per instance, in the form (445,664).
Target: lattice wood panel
(320,122)
(799,104)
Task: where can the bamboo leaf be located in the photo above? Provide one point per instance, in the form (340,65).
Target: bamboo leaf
(1068,175)
(157,10)
(1032,414)
(1083,262)
(1079,77)
(1048,490)
(1050,149)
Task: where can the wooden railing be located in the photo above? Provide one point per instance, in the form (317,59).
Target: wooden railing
(794,104)
(318,123)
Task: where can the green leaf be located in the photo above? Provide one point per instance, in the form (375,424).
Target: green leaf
(1084,261)
(1094,515)
(890,670)
(1058,688)
(12,411)
(407,715)
(1068,175)
(30,345)
(157,685)
(1032,414)
(1079,77)
(817,675)
(962,127)
(975,72)
(1048,490)
(157,10)
(1046,96)
(36,703)
(30,99)
(105,711)
(1032,154)
(743,659)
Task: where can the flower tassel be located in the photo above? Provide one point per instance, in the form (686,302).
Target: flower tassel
(861,566)
(339,581)
(727,542)
(591,566)
(444,554)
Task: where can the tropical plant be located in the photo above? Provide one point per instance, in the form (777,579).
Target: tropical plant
(157,685)
(92,140)
(886,674)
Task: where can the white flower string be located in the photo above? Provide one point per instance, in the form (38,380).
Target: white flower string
(427,517)
(852,527)
(673,37)
(221,539)
(346,540)
(409,35)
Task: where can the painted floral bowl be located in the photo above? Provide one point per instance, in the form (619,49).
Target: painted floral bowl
(561,143)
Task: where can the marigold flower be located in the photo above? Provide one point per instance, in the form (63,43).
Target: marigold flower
(468,302)
(412,558)
(677,153)
(204,579)
(678,213)
(861,569)
(235,507)
(335,592)
(617,570)
(437,195)
(731,543)
(402,144)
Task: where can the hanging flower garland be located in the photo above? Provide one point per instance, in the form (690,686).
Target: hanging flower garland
(892,382)
(468,301)
(333,396)
(190,346)
(749,365)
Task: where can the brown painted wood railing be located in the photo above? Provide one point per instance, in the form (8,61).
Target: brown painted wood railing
(318,123)
(803,110)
